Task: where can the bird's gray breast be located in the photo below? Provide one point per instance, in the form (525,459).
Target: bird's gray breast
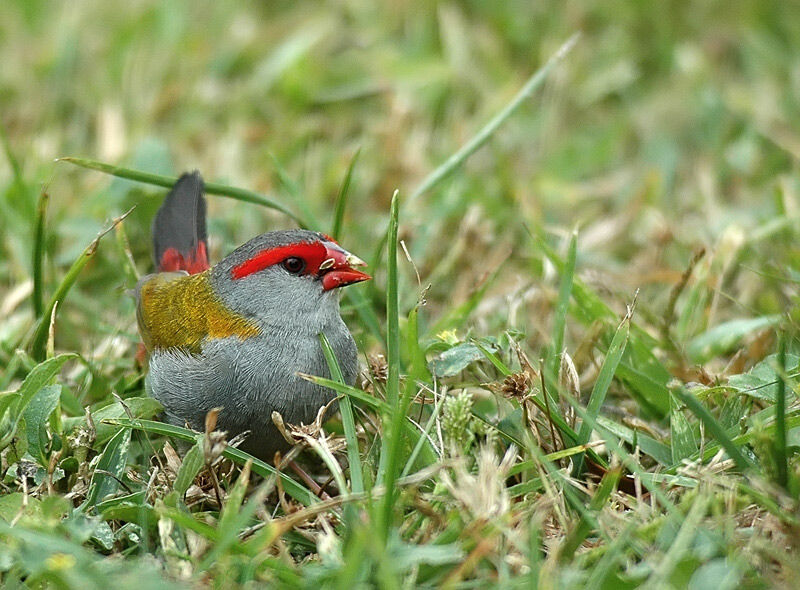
(251,378)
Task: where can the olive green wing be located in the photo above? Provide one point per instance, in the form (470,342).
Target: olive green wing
(180,311)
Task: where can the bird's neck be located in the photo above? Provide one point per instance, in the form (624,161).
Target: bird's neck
(305,321)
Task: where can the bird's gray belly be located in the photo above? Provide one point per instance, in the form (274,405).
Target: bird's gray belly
(249,379)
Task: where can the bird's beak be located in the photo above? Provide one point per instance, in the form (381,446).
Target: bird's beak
(337,270)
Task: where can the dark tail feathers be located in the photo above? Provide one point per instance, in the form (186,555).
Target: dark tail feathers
(179,229)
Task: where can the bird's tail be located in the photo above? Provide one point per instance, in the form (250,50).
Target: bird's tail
(179,228)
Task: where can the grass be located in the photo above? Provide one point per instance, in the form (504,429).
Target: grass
(579,352)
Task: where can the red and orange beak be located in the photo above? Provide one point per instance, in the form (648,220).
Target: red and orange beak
(337,270)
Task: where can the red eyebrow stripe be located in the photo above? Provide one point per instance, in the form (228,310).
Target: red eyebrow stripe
(312,252)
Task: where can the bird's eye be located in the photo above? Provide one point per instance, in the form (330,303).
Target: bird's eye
(294,265)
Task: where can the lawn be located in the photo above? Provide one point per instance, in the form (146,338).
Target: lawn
(579,354)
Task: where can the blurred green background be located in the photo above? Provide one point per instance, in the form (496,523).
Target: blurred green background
(669,137)
(670,126)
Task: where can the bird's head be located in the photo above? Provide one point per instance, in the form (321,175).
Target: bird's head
(284,274)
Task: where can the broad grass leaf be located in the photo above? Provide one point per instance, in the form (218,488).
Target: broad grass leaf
(725,337)
(110,467)
(733,411)
(647,444)
(211,188)
(35,552)
(191,466)
(7,399)
(715,430)
(348,419)
(645,375)
(683,441)
(578,534)
(720,573)
(12,504)
(454,360)
(39,376)
(136,498)
(762,380)
(140,407)
(793,438)
(604,378)
(407,556)
(290,486)
(132,508)
(36,420)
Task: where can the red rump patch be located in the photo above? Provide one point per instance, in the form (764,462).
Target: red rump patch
(313,253)
(197,262)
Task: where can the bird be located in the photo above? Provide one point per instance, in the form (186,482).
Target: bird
(239,334)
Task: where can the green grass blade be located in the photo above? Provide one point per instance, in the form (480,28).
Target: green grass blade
(191,465)
(362,396)
(457,316)
(420,444)
(682,439)
(38,254)
(296,194)
(724,337)
(37,420)
(781,458)
(39,339)
(562,306)
(647,385)
(598,578)
(392,311)
(110,468)
(348,421)
(189,521)
(357,298)
(418,366)
(603,382)
(493,358)
(570,495)
(715,429)
(681,544)
(578,535)
(16,169)
(376,404)
(769,503)
(480,138)
(341,199)
(647,444)
(124,248)
(712,447)
(359,301)
(294,489)
(391,448)
(211,188)
(534,553)
(41,375)
(226,525)
(418,372)
(552,457)
(590,304)
(613,445)
(233,520)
